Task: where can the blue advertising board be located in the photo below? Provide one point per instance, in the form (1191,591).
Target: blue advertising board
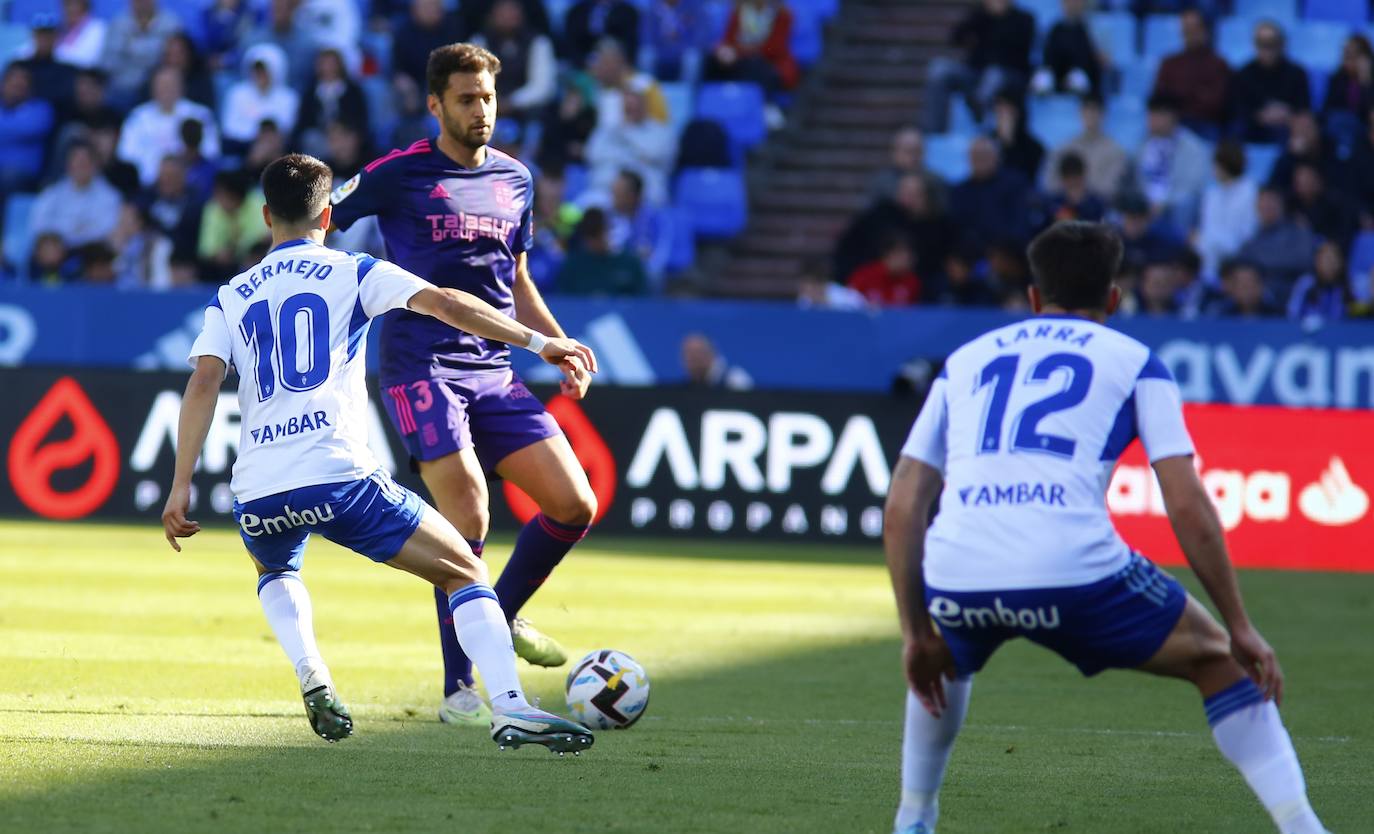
(777,345)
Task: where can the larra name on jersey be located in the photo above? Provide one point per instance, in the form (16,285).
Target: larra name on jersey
(1057,332)
(300,266)
(254,525)
(947,612)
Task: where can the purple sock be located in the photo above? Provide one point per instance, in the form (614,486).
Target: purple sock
(457,667)
(541,546)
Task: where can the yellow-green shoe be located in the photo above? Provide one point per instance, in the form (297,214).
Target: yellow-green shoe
(535,646)
(465,708)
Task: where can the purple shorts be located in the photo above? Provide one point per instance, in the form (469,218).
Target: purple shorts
(494,413)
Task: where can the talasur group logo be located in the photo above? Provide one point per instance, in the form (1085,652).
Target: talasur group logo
(35,458)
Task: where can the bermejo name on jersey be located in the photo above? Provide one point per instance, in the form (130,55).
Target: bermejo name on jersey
(295,327)
(1026,424)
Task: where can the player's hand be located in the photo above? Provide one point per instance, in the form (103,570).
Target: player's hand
(928,662)
(575,380)
(1258,658)
(174,520)
(558,351)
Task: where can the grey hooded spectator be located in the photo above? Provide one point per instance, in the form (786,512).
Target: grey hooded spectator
(262,96)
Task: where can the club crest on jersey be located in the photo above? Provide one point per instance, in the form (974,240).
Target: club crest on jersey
(504,195)
(338,195)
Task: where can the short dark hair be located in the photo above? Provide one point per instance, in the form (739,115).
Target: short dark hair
(458,57)
(233,182)
(592,225)
(1093,99)
(1230,157)
(296,187)
(1073,264)
(1231,266)
(1071,165)
(634,179)
(1162,102)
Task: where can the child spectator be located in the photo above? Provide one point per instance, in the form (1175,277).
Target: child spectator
(1074,201)
(889,281)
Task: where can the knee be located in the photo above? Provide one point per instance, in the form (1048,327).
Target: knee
(575,510)
(462,569)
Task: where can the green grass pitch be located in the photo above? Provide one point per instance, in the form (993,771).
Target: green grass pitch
(142,691)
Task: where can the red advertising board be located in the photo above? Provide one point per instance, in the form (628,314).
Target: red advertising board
(1292,486)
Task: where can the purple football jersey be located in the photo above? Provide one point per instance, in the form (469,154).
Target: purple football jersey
(453,226)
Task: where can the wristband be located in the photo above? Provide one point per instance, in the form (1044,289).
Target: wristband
(537,342)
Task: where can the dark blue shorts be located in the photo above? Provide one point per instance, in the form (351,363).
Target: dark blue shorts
(493,413)
(1114,623)
(374,516)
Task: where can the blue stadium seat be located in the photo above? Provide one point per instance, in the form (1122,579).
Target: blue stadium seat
(575,178)
(1114,33)
(808,37)
(1046,12)
(1138,77)
(738,107)
(558,11)
(682,252)
(1124,121)
(18,240)
(1314,43)
(1163,35)
(1281,10)
(678,96)
(1361,262)
(715,17)
(714,199)
(1316,84)
(1259,161)
(22,11)
(110,9)
(1054,119)
(823,9)
(1351,12)
(1235,39)
(12,37)
(381,109)
(947,155)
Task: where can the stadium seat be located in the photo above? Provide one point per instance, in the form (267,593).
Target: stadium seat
(1318,44)
(1124,121)
(715,17)
(18,240)
(110,9)
(381,108)
(22,11)
(1163,36)
(682,252)
(823,9)
(1316,85)
(1361,262)
(1259,161)
(808,37)
(714,200)
(12,37)
(1114,33)
(1054,119)
(704,144)
(947,155)
(558,12)
(1046,12)
(738,107)
(1351,12)
(1235,39)
(678,96)
(1138,78)
(575,179)
(1252,10)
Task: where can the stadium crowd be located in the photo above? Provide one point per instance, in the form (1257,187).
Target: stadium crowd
(1242,183)
(132,134)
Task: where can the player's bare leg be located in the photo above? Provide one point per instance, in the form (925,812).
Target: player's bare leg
(549,473)
(437,553)
(286,603)
(458,487)
(1247,727)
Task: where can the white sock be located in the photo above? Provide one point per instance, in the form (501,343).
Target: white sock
(926,744)
(1250,733)
(484,635)
(286,603)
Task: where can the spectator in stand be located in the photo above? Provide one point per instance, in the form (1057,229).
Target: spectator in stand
(614,74)
(1172,166)
(706,368)
(347,149)
(1107,162)
(230,226)
(1009,274)
(639,227)
(671,41)
(53,79)
(52,263)
(333,97)
(330,22)
(815,290)
(529,69)
(81,41)
(25,124)
(889,280)
(133,45)
(473,15)
(554,221)
(589,22)
(1073,200)
(90,108)
(1266,92)
(97,263)
(1197,78)
(593,268)
(142,254)
(1305,144)
(1070,61)
(284,30)
(909,214)
(996,40)
(636,143)
(1281,249)
(1357,173)
(173,207)
(81,207)
(153,129)
(961,286)
(992,203)
(261,96)
(180,52)
(224,24)
(567,128)
(200,171)
(269,144)
(1244,294)
(908,157)
(1020,150)
(1228,208)
(1156,294)
(1323,210)
(757,47)
(1324,293)
(1145,237)
(122,175)
(1350,89)
(413,119)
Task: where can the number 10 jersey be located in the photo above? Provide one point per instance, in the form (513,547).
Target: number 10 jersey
(295,326)
(1026,423)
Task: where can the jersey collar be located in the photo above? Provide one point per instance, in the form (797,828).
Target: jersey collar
(289,243)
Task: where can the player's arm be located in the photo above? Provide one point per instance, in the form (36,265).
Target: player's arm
(197,410)
(531,311)
(471,314)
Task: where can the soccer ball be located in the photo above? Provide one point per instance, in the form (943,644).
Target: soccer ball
(608,690)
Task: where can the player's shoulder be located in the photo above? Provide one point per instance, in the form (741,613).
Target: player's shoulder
(502,161)
(394,162)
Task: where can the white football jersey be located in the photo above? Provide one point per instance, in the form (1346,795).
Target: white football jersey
(295,327)
(1026,424)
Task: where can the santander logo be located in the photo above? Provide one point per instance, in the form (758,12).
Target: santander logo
(34,459)
(1334,500)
